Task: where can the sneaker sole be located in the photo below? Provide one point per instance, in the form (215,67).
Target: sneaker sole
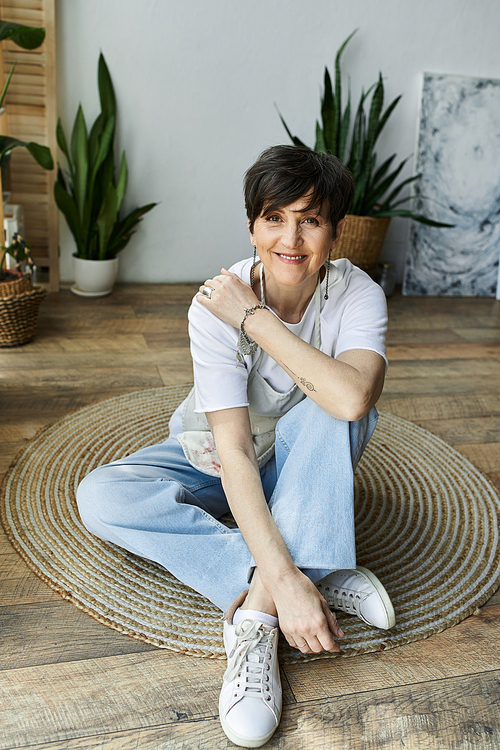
(379,588)
(244,741)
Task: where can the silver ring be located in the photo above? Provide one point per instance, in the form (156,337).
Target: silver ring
(207,291)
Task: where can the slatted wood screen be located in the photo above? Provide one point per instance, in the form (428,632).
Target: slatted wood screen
(31,116)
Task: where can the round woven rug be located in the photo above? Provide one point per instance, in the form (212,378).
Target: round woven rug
(426,523)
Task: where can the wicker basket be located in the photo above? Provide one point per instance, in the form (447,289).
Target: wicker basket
(362,240)
(19,303)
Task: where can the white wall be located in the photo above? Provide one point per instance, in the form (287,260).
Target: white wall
(196,82)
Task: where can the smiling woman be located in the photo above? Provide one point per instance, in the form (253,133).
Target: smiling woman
(289,360)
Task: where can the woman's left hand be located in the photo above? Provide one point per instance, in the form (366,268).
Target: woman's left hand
(229,298)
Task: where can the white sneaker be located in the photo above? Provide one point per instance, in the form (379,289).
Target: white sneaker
(250,699)
(358,592)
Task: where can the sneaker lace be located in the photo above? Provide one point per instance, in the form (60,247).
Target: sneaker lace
(249,655)
(345,601)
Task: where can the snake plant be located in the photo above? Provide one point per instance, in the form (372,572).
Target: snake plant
(376,192)
(88,193)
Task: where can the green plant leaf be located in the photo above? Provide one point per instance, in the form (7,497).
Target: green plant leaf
(40,153)
(382,170)
(338,94)
(79,153)
(61,142)
(373,119)
(99,232)
(106,90)
(320,145)
(344,128)
(121,185)
(100,177)
(67,205)
(27,37)
(379,186)
(377,192)
(62,180)
(6,86)
(328,117)
(108,216)
(125,228)
(388,112)
(296,141)
(416,217)
(387,204)
(95,134)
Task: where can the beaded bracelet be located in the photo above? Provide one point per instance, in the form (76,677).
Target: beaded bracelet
(246,345)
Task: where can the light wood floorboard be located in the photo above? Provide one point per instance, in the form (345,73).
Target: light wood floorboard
(69,683)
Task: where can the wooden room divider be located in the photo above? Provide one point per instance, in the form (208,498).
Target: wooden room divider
(32,116)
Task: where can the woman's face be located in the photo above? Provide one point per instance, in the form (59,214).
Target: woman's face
(293,243)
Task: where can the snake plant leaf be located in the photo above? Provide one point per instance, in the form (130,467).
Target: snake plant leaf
(103,152)
(406,214)
(68,207)
(125,228)
(27,37)
(344,128)
(106,220)
(329,117)
(296,141)
(121,185)
(373,118)
(320,146)
(95,134)
(378,190)
(338,92)
(388,112)
(61,142)
(99,231)
(354,144)
(62,180)
(80,157)
(106,90)
(382,170)
(387,204)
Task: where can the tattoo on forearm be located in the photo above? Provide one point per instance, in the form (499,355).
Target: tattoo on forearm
(306,383)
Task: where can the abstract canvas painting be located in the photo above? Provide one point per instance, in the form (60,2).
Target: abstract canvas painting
(459,159)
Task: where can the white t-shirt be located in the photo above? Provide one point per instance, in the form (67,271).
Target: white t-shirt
(353,317)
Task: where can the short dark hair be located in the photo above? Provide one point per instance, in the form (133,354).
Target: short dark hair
(284,174)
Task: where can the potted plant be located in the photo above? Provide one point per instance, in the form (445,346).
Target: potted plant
(19,299)
(27,37)
(377,197)
(90,197)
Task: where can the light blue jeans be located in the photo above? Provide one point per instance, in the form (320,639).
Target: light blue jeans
(156,505)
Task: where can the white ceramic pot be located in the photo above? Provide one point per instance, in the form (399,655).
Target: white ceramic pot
(94,278)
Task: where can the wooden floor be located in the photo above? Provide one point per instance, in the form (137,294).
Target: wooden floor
(68,683)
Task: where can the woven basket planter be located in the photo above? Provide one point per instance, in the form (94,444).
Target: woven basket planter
(19,303)
(362,240)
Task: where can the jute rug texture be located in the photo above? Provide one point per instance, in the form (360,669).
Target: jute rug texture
(426,523)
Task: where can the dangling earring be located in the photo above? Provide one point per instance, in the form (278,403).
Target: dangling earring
(252,272)
(327,278)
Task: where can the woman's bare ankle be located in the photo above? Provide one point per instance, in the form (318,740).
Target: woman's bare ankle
(258,597)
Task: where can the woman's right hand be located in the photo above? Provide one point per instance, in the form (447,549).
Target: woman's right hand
(304,617)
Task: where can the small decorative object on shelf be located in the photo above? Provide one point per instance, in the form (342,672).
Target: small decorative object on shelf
(19,299)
